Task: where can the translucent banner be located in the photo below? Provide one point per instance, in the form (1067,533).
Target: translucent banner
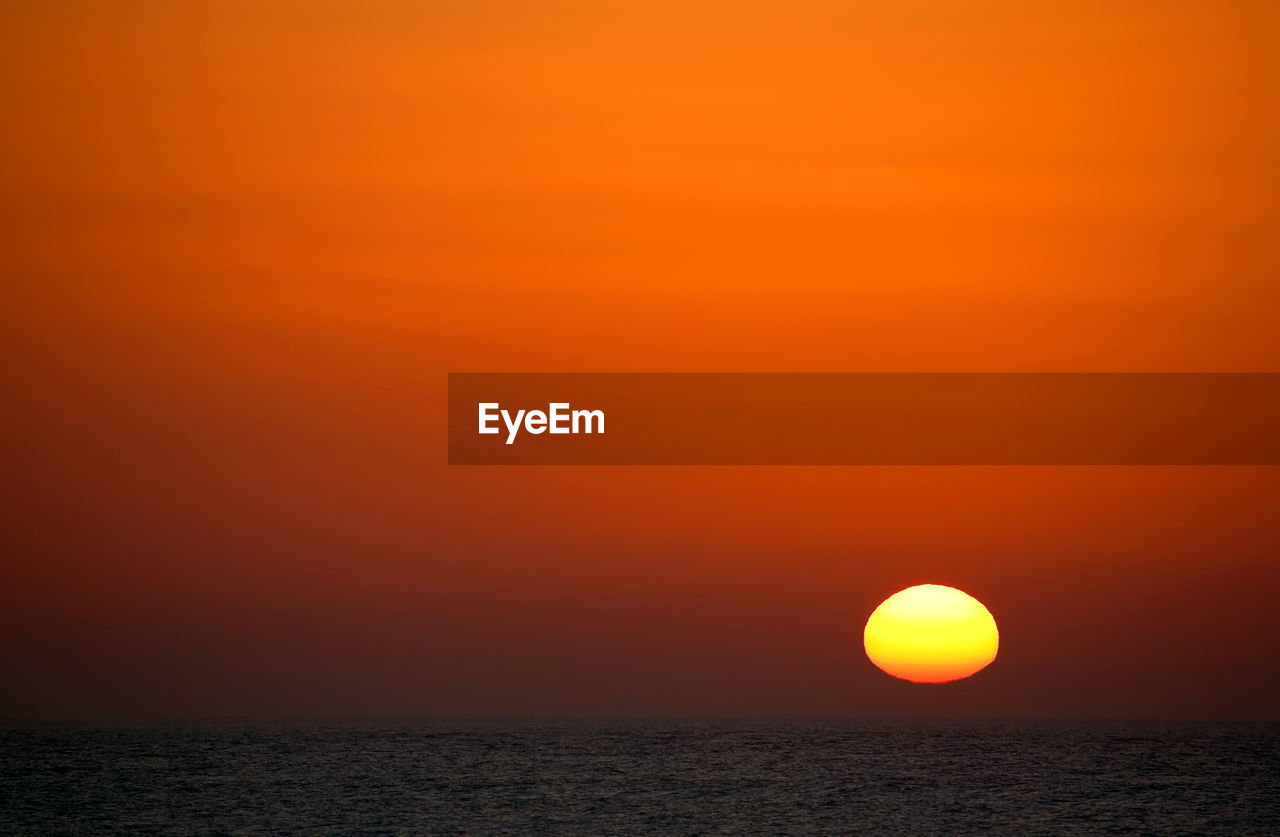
(864,419)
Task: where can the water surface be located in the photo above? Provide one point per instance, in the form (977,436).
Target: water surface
(597,777)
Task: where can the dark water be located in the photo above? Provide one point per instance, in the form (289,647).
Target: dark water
(768,777)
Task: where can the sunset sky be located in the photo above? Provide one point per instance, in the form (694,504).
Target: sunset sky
(244,243)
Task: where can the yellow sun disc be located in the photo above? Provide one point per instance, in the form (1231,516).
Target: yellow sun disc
(931,634)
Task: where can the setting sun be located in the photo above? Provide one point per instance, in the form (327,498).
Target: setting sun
(931,634)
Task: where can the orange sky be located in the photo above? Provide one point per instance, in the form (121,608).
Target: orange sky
(242,247)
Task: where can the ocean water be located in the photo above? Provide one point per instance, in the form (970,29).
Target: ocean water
(667,777)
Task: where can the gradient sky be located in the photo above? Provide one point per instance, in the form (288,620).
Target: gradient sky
(243,245)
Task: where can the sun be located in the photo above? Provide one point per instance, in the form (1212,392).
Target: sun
(931,634)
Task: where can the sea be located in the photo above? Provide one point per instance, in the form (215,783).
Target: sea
(601,777)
